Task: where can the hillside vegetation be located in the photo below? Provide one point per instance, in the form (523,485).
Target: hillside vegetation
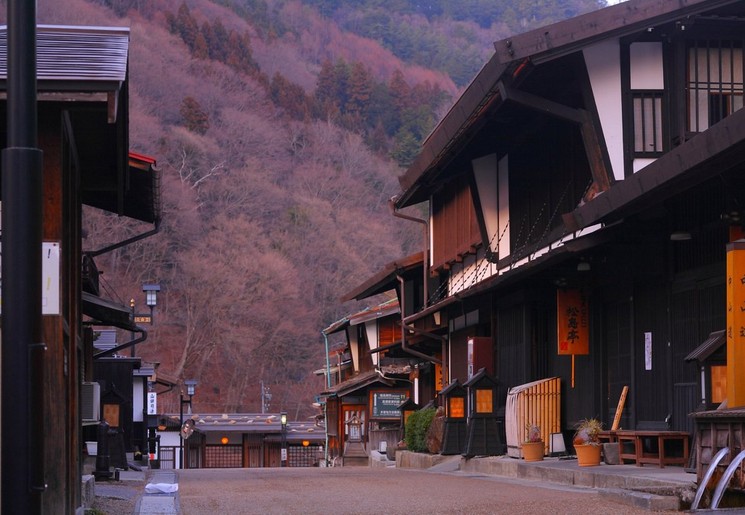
(280,128)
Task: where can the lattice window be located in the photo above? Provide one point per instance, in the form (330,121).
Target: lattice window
(715,82)
(647,123)
(223,456)
(167,457)
(299,456)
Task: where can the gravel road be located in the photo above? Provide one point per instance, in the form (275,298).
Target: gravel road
(363,491)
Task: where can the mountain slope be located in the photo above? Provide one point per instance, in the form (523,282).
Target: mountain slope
(275,203)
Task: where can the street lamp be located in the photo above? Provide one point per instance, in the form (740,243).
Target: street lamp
(186,429)
(283,456)
(151,299)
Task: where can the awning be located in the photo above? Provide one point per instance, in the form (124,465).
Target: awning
(358,382)
(138,197)
(712,344)
(105,312)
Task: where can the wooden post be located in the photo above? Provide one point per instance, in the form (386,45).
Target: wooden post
(736,324)
(619,409)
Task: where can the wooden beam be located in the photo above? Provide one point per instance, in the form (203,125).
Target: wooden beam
(617,20)
(540,104)
(594,150)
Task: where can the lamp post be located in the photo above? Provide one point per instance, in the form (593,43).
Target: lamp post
(191,386)
(151,300)
(283,455)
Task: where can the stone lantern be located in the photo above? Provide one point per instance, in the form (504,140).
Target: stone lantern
(453,398)
(483,432)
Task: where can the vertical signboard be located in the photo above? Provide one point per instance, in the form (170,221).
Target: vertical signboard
(152,403)
(573,323)
(736,324)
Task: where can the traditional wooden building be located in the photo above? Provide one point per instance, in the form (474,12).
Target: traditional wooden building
(241,440)
(82,85)
(366,385)
(582,193)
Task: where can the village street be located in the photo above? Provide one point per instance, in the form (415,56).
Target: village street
(363,490)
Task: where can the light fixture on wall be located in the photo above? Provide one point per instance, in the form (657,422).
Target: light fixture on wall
(583,266)
(224,440)
(680,236)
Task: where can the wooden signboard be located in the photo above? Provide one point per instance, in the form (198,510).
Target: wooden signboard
(573,322)
(385,403)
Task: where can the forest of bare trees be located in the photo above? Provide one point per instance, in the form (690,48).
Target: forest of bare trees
(279,137)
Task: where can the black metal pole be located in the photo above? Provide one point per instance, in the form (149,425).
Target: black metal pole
(283,450)
(181,434)
(22,349)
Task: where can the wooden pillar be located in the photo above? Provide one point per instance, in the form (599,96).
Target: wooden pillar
(61,329)
(736,324)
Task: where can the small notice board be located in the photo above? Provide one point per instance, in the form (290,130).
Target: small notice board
(385,403)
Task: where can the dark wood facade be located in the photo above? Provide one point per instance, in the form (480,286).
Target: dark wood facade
(602,162)
(377,378)
(83,135)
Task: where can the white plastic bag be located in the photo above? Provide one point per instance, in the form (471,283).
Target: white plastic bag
(161,488)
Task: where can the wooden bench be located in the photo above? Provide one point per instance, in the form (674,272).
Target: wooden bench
(632,446)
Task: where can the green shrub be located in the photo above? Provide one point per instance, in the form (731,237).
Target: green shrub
(416,429)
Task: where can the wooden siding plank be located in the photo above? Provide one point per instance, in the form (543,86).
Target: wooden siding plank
(454,225)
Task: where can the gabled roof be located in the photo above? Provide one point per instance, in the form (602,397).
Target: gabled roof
(484,94)
(385,280)
(383,309)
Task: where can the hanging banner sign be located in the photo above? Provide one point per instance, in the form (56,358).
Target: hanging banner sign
(152,403)
(573,322)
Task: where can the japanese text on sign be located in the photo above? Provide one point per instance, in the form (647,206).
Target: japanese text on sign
(573,322)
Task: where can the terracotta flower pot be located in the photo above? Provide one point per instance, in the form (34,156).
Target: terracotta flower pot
(588,455)
(533,451)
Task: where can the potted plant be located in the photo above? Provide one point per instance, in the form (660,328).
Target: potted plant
(587,442)
(533,446)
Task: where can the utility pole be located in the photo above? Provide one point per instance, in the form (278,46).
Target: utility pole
(22,346)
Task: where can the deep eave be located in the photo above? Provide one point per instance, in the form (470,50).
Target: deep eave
(358,382)
(615,21)
(82,73)
(710,153)
(106,312)
(461,123)
(385,280)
